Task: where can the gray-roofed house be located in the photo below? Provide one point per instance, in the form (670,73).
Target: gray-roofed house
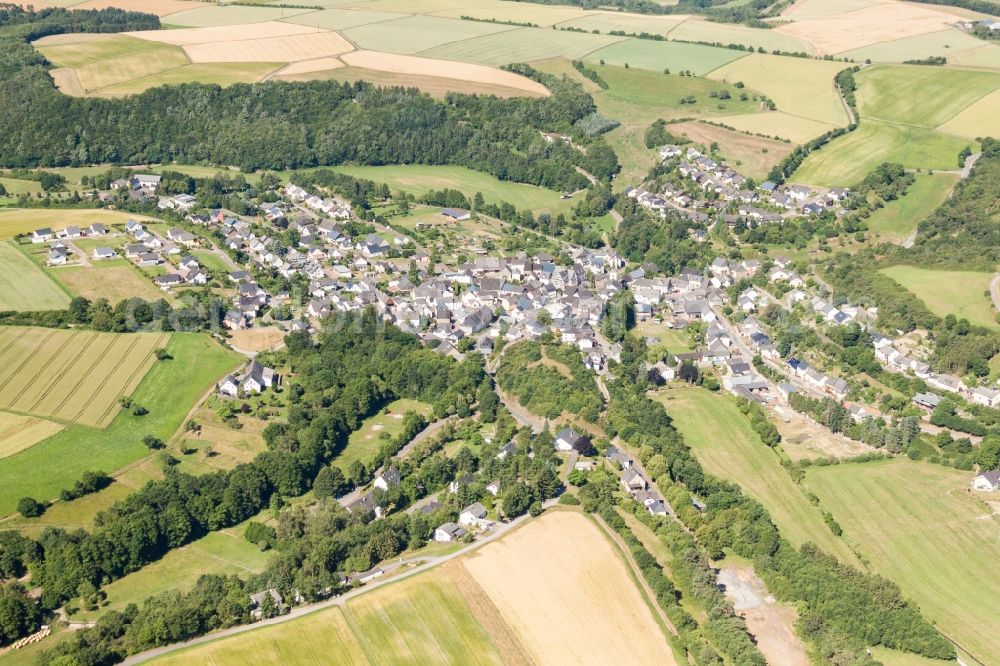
(449,532)
(473,514)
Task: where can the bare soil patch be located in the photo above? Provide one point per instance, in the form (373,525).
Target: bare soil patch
(257,339)
(770,623)
(801,438)
(752,155)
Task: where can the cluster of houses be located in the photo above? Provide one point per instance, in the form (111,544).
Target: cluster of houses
(634,482)
(140,186)
(708,186)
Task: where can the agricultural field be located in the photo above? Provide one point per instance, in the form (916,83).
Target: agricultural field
(24,286)
(222,74)
(340,19)
(521,45)
(697,29)
(753,156)
(605,22)
(365,442)
(217,445)
(223,553)
(979,119)
(169,390)
(412,34)
(920,525)
(112,279)
(947,43)
(986,57)
(898,219)
(961,293)
(211,16)
(16,221)
(19,432)
(419,179)
(798,86)
(500,10)
(424,619)
(847,159)
(563,589)
(924,96)
(72,376)
(725,444)
(803,10)
(657,56)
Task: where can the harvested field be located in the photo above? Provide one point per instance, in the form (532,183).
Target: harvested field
(14,221)
(271,49)
(979,119)
(803,10)
(847,159)
(219,73)
(925,96)
(521,45)
(699,30)
(261,339)
(776,123)
(114,280)
(72,375)
(798,86)
(947,43)
(158,7)
(871,25)
(500,10)
(19,432)
(97,63)
(340,19)
(751,155)
(566,593)
(921,526)
(657,56)
(300,71)
(189,36)
(225,15)
(416,66)
(412,34)
(435,86)
(607,21)
(24,286)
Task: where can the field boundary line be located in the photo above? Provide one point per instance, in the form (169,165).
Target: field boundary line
(23,252)
(421,53)
(745,54)
(45,367)
(10,345)
(108,377)
(125,387)
(90,369)
(62,373)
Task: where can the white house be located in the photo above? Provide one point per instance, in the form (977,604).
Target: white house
(987,481)
(474,514)
(104,253)
(387,479)
(570,440)
(449,532)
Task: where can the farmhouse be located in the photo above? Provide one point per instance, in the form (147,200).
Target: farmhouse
(987,481)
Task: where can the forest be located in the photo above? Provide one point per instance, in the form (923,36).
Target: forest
(280,125)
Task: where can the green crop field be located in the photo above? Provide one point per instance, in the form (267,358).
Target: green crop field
(947,43)
(218,73)
(15,221)
(915,95)
(420,620)
(365,442)
(798,86)
(99,63)
(412,34)
(72,376)
(700,30)
(521,45)
(986,56)
(778,124)
(920,525)
(977,120)
(961,293)
(898,219)
(657,56)
(500,10)
(418,180)
(340,19)
(205,17)
(723,441)
(169,391)
(605,22)
(847,159)
(24,286)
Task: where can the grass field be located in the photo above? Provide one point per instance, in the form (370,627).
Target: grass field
(977,120)
(419,620)
(24,286)
(605,22)
(205,17)
(340,19)
(169,391)
(223,553)
(364,442)
(657,56)
(798,86)
(925,96)
(521,45)
(796,129)
(847,159)
(19,432)
(412,34)
(114,280)
(699,30)
(14,221)
(920,525)
(563,589)
(500,10)
(961,293)
(72,376)
(985,56)
(898,219)
(727,447)
(77,514)
(231,446)
(419,179)
(219,73)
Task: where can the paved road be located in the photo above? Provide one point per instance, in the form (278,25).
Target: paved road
(426,563)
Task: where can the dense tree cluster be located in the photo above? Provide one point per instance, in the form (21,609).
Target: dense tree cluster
(548,379)
(665,243)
